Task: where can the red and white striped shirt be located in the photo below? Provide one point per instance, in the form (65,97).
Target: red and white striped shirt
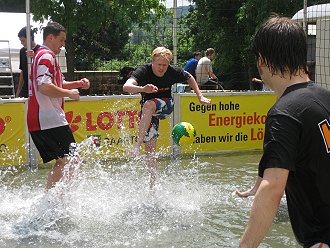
(45,112)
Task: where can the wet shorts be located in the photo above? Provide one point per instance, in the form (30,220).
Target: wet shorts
(164,107)
(53,143)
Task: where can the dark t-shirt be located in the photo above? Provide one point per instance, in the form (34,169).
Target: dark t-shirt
(144,75)
(24,68)
(294,140)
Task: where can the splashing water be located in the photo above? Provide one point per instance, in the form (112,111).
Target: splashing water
(109,204)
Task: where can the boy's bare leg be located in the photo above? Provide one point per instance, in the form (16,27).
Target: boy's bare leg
(56,173)
(150,150)
(148,109)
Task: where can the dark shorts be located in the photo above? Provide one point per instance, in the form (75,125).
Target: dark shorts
(53,143)
(164,107)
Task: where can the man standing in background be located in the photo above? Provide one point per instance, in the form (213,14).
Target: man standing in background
(22,87)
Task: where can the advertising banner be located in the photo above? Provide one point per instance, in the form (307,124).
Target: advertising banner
(12,134)
(113,124)
(231,122)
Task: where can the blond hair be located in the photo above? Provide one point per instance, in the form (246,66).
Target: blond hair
(209,51)
(162,51)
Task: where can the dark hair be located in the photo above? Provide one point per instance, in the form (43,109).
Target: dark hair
(281,42)
(22,33)
(197,54)
(53,28)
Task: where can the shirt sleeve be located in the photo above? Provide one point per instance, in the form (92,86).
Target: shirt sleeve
(181,75)
(280,143)
(45,70)
(139,75)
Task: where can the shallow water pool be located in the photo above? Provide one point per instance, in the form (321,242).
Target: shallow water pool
(109,204)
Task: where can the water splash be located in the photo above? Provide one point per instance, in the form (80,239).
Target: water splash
(105,204)
(108,204)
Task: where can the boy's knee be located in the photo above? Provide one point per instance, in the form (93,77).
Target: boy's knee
(149,105)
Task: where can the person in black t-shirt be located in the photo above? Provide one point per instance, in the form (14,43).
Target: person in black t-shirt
(22,87)
(296,151)
(154,82)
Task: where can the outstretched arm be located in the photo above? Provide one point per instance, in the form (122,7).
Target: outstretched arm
(52,90)
(131,86)
(193,84)
(82,83)
(264,207)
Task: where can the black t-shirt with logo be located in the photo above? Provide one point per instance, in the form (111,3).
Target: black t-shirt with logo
(144,75)
(297,138)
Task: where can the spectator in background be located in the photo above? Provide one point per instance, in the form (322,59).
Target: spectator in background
(22,87)
(192,64)
(204,71)
(124,74)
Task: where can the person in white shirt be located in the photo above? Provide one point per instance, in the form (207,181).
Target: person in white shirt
(204,71)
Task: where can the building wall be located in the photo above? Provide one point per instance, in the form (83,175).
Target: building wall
(102,82)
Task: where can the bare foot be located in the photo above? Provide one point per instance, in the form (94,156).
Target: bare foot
(136,151)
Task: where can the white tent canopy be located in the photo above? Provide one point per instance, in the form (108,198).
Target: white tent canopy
(313,13)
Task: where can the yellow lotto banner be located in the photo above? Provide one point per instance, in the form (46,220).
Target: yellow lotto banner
(231,122)
(113,124)
(12,134)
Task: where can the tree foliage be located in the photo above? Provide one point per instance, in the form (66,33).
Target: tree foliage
(103,30)
(96,28)
(17,6)
(229,26)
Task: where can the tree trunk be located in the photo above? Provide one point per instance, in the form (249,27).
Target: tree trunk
(70,55)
